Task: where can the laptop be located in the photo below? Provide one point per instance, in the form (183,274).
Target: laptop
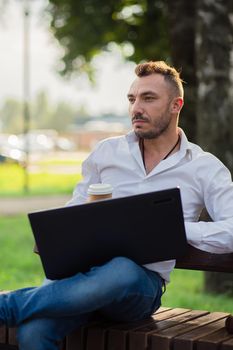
(146,228)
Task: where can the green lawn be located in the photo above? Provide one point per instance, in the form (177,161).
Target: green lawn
(20,267)
(40,183)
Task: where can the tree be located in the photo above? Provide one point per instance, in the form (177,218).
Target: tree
(41,111)
(45,114)
(86,27)
(215,95)
(182,31)
(11,116)
(144,29)
(63,116)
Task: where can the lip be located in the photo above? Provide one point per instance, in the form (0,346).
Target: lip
(139,121)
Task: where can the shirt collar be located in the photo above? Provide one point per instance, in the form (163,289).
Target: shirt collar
(184,143)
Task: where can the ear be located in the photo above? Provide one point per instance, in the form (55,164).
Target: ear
(177,104)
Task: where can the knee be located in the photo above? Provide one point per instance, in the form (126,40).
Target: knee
(129,273)
(32,335)
(124,264)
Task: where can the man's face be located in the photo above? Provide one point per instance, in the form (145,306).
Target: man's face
(150,99)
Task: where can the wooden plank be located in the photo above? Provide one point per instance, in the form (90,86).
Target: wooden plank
(97,335)
(229,324)
(78,338)
(213,341)
(139,340)
(188,340)
(3,334)
(163,340)
(12,340)
(162,309)
(118,335)
(227,345)
(197,259)
(75,340)
(117,338)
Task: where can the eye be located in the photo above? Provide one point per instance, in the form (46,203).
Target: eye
(131,100)
(149,98)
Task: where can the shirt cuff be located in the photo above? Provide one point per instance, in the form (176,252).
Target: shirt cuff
(193,234)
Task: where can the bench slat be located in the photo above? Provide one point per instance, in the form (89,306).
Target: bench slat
(118,336)
(12,336)
(214,340)
(197,259)
(75,340)
(140,339)
(163,339)
(227,345)
(3,334)
(188,340)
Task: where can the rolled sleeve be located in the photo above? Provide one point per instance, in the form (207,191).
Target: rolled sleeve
(213,237)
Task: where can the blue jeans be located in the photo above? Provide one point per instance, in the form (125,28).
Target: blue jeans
(119,290)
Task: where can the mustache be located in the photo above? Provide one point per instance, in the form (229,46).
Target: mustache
(139,117)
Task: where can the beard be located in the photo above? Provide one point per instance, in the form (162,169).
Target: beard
(157,128)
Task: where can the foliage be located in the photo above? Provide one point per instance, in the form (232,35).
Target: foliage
(85,27)
(46,115)
(11,116)
(143,29)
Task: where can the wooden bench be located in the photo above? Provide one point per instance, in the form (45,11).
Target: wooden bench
(167,329)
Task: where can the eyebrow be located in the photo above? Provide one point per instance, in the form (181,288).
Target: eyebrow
(145,93)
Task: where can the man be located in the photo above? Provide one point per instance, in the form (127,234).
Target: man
(154,156)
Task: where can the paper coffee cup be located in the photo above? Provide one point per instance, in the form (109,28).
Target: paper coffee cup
(99,191)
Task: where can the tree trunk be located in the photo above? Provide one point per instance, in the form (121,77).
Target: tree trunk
(214,34)
(181,19)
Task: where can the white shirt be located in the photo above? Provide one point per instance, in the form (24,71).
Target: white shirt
(203,181)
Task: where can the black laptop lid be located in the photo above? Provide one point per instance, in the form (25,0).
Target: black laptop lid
(145,228)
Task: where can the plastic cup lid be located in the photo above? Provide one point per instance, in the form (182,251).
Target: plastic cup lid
(100,189)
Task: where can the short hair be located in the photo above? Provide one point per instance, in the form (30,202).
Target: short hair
(170,74)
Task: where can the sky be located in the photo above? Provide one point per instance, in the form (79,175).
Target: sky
(112,83)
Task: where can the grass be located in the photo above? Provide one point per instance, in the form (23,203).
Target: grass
(186,290)
(40,183)
(20,267)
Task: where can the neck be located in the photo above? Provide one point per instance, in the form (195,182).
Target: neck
(155,150)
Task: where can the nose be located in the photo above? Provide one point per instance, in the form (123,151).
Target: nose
(136,108)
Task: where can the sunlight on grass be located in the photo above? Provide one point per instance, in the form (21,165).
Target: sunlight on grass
(12,181)
(54,161)
(46,183)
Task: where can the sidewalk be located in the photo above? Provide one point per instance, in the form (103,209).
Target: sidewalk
(24,205)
